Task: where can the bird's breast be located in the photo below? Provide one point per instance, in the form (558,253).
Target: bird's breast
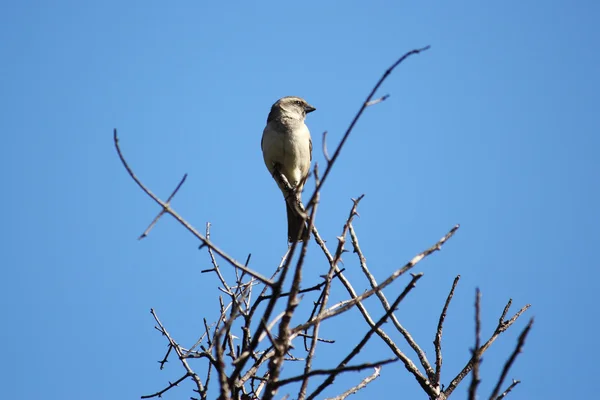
(288,147)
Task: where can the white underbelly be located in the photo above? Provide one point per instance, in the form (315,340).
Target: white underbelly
(290,151)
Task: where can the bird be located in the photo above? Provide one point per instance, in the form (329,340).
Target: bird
(287,149)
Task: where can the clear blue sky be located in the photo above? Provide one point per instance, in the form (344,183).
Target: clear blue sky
(496,128)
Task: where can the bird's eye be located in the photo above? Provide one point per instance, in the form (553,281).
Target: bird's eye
(298,102)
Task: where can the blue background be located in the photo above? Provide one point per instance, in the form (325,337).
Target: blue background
(495,127)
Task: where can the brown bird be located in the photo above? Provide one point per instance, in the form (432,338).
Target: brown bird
(287,147)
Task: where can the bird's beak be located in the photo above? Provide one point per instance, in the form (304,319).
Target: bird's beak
(308,108)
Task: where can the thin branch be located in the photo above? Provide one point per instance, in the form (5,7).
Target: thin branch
(437,342)
(368,336)
(317,339)
(384,302)
(171,385)
(508,389)
(251,373)
(358,387)
(224,389)
(284,341)
(162,212)
(511,360)
(179,352)
(167,208)
(276,290)
(313,288)
(476,354)
(504,312)
(203,395)
(377,101)
(224,385)
(216,268)
(324,297)
(165,359)
(408,364)
(267,332)
(502,326)
(248,338)
(351,303)
(335,371)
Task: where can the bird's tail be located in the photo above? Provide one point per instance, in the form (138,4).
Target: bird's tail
(295,224)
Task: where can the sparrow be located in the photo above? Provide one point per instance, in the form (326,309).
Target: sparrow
(287,149)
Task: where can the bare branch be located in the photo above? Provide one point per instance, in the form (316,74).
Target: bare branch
(171,385)
(502,326)
(358,387)
(508,390)
(511,360)
(165,359)
(476,354)
(368,336)
(351,303)
(386,306)
(276,288)
(224,386)
(437,342)
(284,342)
(182,358)
(504,312)
(161,213)
(377,101)
(336,371)
(408,364)
(317,339)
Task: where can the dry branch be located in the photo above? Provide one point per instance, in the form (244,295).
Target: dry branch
(437,342)
(361,385)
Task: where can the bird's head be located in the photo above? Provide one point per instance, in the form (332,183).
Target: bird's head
(290,107)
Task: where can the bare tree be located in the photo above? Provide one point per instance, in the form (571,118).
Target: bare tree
(252,369)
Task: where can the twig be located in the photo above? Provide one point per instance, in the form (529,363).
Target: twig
(408,364)
(476,354)
(317,339)
(351,303)
(508,390)
(171,385)
(384,302)
(368,336)
(324,297)
(335,371)
(180,354)
(203,395)
(511,360)
(284,341)
(502,326)
(276,289)
(247,337)
(251,373)
(377,101)
(437,342)
(358,387)
(162,212)
(164,360)
(216,268)
(267,332)
(224,385)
